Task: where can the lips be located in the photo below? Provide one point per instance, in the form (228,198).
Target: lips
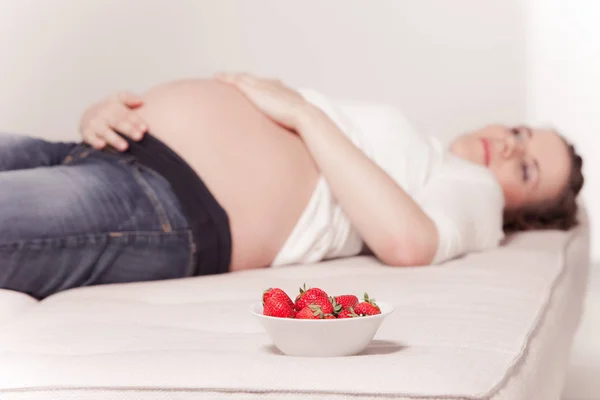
(486,151)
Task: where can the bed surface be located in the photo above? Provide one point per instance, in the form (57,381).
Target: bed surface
(495,325)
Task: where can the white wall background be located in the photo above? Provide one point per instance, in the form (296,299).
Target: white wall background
(564,82)
(450,66)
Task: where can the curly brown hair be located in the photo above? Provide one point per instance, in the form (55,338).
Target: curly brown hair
(562,214)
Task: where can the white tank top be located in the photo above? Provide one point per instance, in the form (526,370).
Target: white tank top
(463,199)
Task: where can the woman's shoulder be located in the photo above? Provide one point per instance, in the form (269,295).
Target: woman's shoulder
(468,175)
(465,192)
(467,205)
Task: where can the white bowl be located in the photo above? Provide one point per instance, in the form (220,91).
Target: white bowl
(322,337)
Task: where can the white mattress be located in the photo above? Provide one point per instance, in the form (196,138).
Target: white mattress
(496,326)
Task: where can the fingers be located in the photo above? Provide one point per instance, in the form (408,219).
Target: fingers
(127,124)
(120,117)
(235,78)
(129,99)
(111,119)
(248,78)
(90,137)
(246,81)
(113,138)
(138,127)
(99,134)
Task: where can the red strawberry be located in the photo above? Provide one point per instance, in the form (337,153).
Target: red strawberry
(367,307)
(342,302)
(323,303)
(310,296)
(347,313)
(347,300)
(310,312)
(276,303)
(329,316)
(277,293)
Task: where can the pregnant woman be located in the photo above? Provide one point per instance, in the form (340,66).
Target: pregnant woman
(201,177)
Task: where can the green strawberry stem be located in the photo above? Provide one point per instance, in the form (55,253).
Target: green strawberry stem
(369,300)
(337,308)
(317,312)
(303,288)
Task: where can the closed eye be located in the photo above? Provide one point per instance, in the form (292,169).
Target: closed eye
(518,133)
(525,171)
(522,132)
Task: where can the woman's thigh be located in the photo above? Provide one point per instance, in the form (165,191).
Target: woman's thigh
(95,220)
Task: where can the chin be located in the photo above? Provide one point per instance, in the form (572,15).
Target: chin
(465,147)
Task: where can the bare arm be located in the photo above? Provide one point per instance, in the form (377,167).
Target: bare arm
(387,218)
(390,222)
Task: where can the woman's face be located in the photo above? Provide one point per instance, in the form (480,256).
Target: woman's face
(532,165)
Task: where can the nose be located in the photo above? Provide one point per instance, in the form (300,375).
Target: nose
(512,147)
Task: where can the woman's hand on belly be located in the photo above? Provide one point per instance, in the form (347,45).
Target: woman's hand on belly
(388,219)
(280,103)
(102,123)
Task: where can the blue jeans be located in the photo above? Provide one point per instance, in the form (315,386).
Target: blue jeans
(72,216)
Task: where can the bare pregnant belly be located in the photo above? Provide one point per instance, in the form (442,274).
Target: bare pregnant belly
(260,173)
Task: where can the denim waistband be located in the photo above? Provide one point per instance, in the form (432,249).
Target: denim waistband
(208,221)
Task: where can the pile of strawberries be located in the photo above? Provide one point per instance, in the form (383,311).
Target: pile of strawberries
(314,303)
